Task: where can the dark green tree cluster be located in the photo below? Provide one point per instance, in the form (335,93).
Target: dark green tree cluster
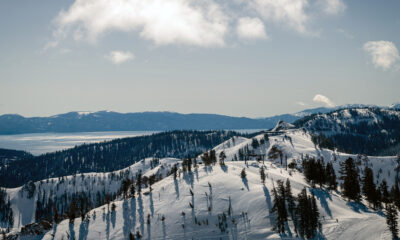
(369,189)
(316,172)
(255,143)
(275,153)
(307,219)
(6,212)
(243,153)
(187,164)
(209,158)
(350,177)
(279,207)
(305,214)
(392,220)
(322,141)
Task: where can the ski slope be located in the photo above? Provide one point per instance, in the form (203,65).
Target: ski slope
(251,202)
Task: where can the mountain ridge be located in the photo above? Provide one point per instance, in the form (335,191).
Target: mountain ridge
(87,121)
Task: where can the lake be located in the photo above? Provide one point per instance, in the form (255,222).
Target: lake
(39,143)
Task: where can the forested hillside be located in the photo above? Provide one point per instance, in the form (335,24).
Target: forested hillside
(110,156)
(368,130)
(8,155)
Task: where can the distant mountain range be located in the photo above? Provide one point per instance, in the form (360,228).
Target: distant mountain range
(147,121)
(143,121)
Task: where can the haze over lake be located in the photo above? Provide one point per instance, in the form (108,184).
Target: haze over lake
(39,143)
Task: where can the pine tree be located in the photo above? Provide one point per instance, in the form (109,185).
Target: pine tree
(189,164)
(262,174)
(369,188)
(391,220)
(72,211)
(395,192)
(254,143)
(125,186)
(222,158)
(132,190)
(56,215)
(307,215)
(351,185)
(152,180)
(279,207)
(290,199)
(131,236)
(243,173)
(174,171)
(213,157)
(320,173)
(330,176)
(383,188)
(139,183)
(302,213)
(314,215)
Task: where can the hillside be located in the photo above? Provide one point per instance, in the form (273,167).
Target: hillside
(251,203)
(212,186)
(7,156)
(110,155)
(368,130)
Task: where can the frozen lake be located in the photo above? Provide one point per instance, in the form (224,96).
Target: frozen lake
(39,143)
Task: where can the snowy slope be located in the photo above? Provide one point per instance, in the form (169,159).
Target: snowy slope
(342,120)
(250,200)
(297,144)
(24,207)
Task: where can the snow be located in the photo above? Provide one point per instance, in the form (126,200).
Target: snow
(24,208)
(281,125)
(171,197)
(251,201)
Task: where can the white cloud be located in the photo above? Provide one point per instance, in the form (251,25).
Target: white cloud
(345,33)
(384,53)
(300,103)
(251,28)
(203,23)
(118,57)
(200,22)
(332,7)
(323,99)
(289,12)
(50,44)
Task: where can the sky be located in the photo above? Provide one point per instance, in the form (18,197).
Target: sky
(253,58)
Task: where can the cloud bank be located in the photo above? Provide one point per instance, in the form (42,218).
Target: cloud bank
(324,100)
(118,57)
(384,53)
(202,23)
(332,7)
(251,28)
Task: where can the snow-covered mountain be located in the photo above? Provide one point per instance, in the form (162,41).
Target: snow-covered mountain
(197,203)
(367,130)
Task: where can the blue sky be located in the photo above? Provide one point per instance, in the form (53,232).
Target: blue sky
(244,58)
